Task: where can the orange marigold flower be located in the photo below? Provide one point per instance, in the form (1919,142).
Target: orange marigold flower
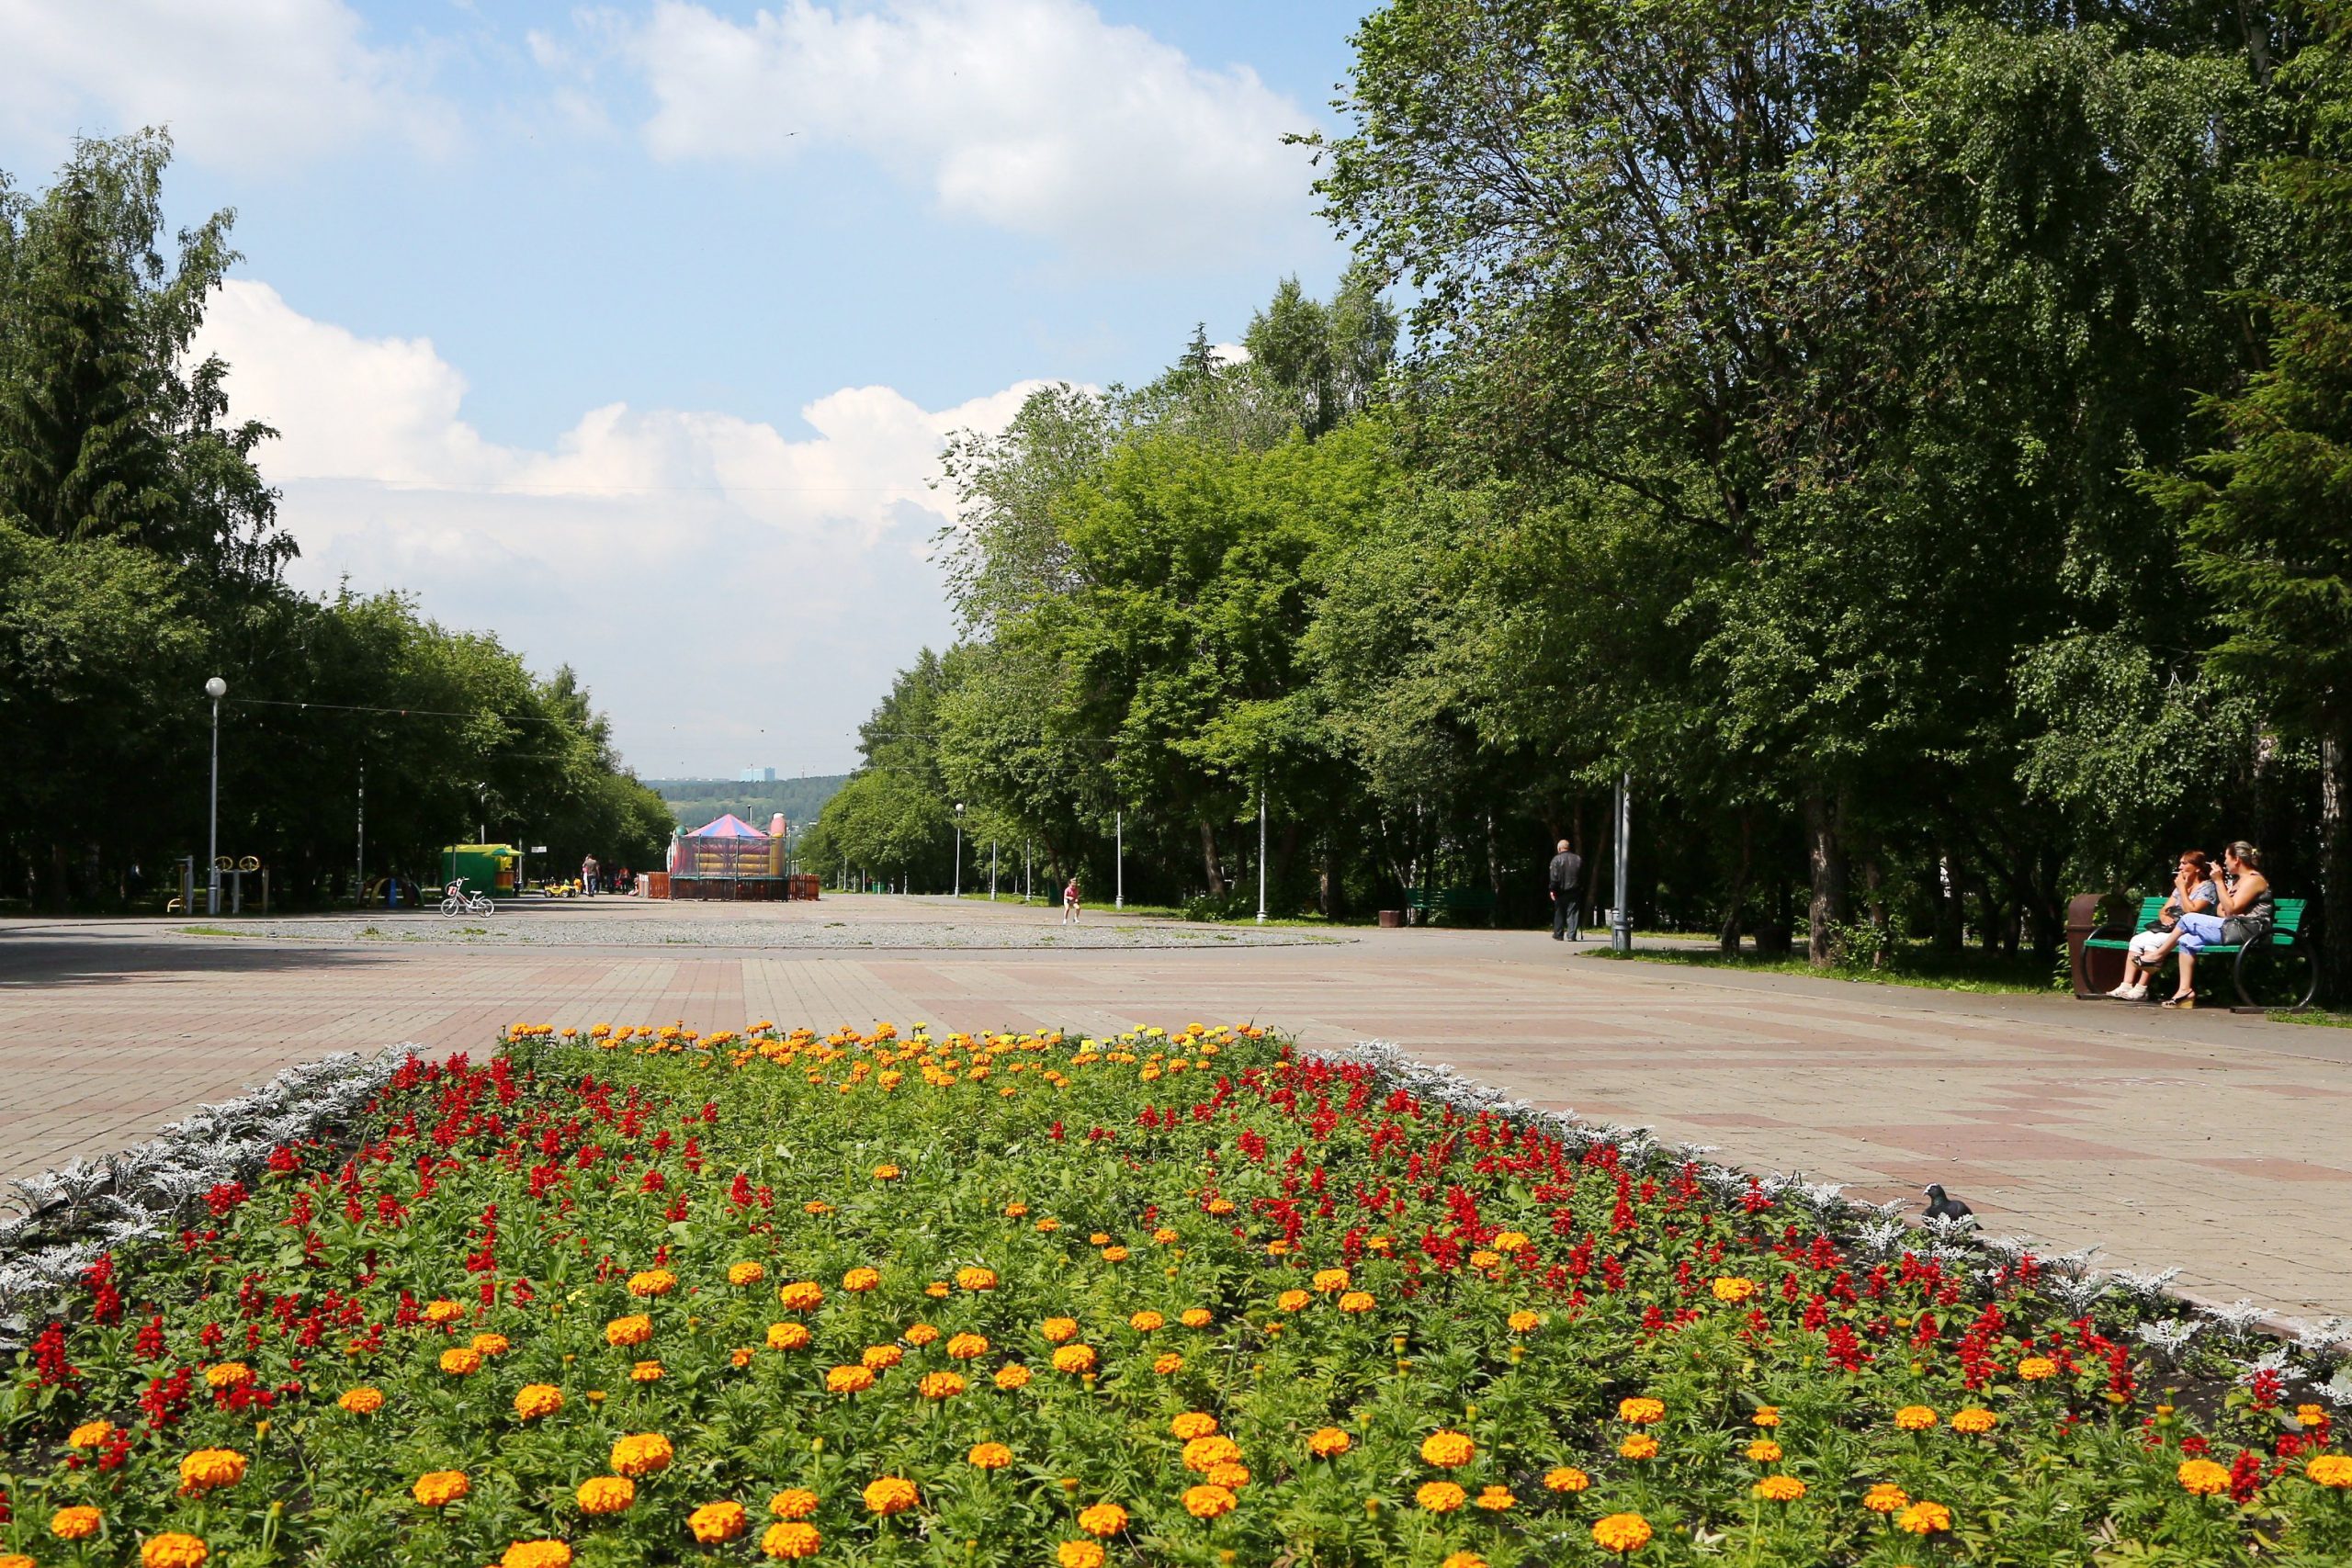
(1207,1502)
(439,1488)
(1463,1560)
(1165,1237)
(1233,1475)
(1196,1317)
(745,1273)
(716,1522)
(1641,1411)
(537,1554)
(1115,1254)
(1327,1280)
(1779,1489)
(1914,1417)
(1497,1499)
(888,1173)
(228,1374)
(1012,1376)
(940,1385)
(645,1372)
(966,1347)
(1206,1452)
(1620,1533)
(1448,1448)
(1147,1321)
(1566,1478)
(173,1550)
(786,1541)
(1511,1241)
(533,1400)
(989,1456)
(882,1357)
(849,1380)
(1973,1420)
(1293,1301)
(491,1344)
(2203,1477)
(920,1334)
(652,1282)
(1638,1445)
(1522,1321)
(1886,1498)
(77,1523)
(1767,1415)
(1074,1359)
(793,1503)
(442,1311)
(741,1356)
(861,1279)
(2333,1470)
(801,1295)
(890,1495)
(938,1289)
(1015,1209)
(1732,1288)
(1168,1365)
(624,1332)
(605,1493)
(208,1468)
(787,1336)
(1356,1302)
(1078,1554)
(1103,1519)
(2037,1368)
(1329,1442)
(1048,1226)
(1056,1329)
(90,1434)
(1764,1450)
(1440,1496)
(1193,1423)
(1934,1519)
(974,1278)
(642,1454)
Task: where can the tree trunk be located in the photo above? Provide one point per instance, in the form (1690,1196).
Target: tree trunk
(1208,861)
(1874,880)
(1949,915)
(1826,858)
(2335,859)
(1727,938)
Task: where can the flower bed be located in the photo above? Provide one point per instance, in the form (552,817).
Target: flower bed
(633,1297)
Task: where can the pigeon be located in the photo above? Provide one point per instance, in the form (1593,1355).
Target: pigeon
(1942,1206)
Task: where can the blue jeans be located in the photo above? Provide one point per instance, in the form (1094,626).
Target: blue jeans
(2200,931)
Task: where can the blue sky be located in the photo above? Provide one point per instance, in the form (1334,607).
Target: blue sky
(631,332)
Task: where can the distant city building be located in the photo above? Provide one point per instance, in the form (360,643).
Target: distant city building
(757,775)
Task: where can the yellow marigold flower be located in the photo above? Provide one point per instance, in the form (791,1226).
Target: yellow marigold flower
(1327,1280)
(491,1344)
(2331,1471)
(1509,1241)
(1638,1445)
(716,1522)
(1566,1478)
(801,1295)
(937,1290)
(1078,1554)
(1329,1442)
(2036,1369)
(1293,1301)
(1933,1518)
(642,1454)
(1448,1448)
(940,1385)
(78,1523)
(787,1336)
(174,1550)
(442,1311)
(1147,1321)
(2203,1477)
(533,1400)
(966,1347)
(787,1541)
(537,1554)
(1779,1489)
(1012,1376)
(745,1273)
(2309,1415)
(793,1503)
(1220,1206)
(652,1282)
(920,1334)
(973,1278)
(439,1488)
(882,1357)
(849,1380)
(1620,1533)
(605,1493)
(208,1468)
(1193,1423)
(645,1372)
(888,1172)
(1356,1301)
(890,1495)
(1167,1366)
(1733,1288)
(1205,1453)
(1764,1450)
(623,1332)
(1497,1499)
(1641,1411)
(989,1456)
(1886,1498)
(1056,1329)
(1973,1420)
(1463,1560)
(861,1279)
(1767,1415)
(90,1434)
(1103,1519)
(228,1374)
(1485,1257)
(1196,1317)
(1522,1321)
(1440,1496)
(1914,1417)
(1208,1501)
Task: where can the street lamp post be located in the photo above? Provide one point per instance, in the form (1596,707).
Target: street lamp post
(1119,859)
(216,688)
(1262,849)
(959,849)
(992,871)
(1620,928)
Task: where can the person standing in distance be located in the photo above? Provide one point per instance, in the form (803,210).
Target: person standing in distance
(1567,867)
(588,875)
(1069,903)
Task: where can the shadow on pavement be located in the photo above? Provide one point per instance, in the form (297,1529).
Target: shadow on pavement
(37,963)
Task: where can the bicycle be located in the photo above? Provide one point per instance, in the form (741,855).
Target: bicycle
(455,900)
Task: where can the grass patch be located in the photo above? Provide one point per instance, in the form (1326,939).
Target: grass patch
(1989,975)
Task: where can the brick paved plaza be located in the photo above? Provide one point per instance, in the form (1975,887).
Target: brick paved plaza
(2212,1142)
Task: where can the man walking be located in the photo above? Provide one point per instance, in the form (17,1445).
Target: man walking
(1567,867)
(588,875)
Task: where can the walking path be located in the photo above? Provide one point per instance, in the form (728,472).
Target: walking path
(2217,1142)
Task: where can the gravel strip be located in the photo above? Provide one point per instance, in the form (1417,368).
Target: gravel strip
(506,930)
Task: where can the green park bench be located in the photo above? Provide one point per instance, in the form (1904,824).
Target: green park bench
(1423,902)
(2279,974)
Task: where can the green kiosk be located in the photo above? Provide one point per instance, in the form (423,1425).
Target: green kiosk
(494,869)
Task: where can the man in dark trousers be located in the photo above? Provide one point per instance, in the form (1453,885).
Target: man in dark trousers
(1567,867)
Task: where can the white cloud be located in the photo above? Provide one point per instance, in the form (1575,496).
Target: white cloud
(240,83)
(735,596)
(1035,115)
